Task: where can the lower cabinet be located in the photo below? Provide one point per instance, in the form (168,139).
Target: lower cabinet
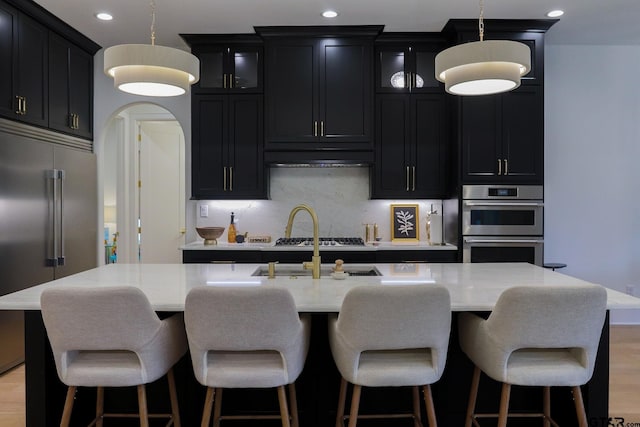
(349,257)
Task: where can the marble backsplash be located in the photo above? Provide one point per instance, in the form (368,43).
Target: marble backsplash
(340,197)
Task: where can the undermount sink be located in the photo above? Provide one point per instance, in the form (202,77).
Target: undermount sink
(296,270)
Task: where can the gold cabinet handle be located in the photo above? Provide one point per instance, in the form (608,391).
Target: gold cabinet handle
(72,121)
(19,106)
(315,128)
(224,178)
(230,178)
(407,179)
(413,172)
(506,167)
(231,82)
(322,128)
(224,81)
(24,105)
(77,121)
(499,167)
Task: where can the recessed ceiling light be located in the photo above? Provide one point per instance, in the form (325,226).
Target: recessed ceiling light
(329,13)
(555,13)
(104,16)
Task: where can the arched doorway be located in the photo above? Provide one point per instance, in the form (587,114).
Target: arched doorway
(144,186)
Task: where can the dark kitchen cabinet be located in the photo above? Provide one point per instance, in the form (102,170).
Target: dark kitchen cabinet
(503,137)
(226,147)
(407,68)
(228,67)
(70,88)
(411,146)
(319,93)
(23,62)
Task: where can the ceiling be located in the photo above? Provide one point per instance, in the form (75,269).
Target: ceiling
(612,22)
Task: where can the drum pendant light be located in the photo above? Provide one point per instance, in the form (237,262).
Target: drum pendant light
(483,67)
(151,70)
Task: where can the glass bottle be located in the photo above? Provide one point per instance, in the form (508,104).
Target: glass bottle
(231,234)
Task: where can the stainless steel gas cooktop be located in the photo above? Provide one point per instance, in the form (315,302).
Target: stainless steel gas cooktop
(323,241)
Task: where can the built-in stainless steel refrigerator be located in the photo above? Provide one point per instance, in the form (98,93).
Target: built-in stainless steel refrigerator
(48,217)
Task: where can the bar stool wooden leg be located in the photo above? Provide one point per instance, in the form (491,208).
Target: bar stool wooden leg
(577,398)
(293,404)
(284,410)
(428,401)
(175,410)
(142,406)
(68,406)
(99,406)
(504,405)
(208,403)
(546,405)
(342,397)
(473,395)
(217,407)
(355,405)
(417,418)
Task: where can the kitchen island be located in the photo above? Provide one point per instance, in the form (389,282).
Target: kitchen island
(473,287)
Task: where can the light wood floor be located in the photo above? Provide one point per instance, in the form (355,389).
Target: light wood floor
(624,397)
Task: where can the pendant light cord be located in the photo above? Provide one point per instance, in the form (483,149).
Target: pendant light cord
(481,21)
(153,22)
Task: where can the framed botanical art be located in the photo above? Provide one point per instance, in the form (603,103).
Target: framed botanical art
(405,225)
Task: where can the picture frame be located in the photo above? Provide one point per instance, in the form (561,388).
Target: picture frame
(405,223)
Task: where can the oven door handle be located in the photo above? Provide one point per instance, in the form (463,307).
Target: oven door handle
(472,240)
(498,204)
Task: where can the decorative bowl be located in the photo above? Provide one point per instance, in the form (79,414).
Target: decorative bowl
(210,234)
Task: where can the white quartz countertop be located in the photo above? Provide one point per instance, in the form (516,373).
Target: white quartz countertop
(472,286)
(379,246)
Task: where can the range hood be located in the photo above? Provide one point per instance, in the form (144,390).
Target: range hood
(323,158)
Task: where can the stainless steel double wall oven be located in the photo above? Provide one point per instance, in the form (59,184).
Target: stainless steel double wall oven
(502,223)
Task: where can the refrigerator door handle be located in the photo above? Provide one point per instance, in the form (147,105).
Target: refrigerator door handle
(52,261)
(61,176)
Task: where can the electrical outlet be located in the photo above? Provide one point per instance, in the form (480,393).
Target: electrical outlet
(204,211)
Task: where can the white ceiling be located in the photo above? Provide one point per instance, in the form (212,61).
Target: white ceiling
(584,22)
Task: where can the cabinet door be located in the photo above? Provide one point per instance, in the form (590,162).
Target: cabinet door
(70,88)
(291,95)
(81,90)
(59,84)
(245,159)
(8,24)
(32,78)
(392,69)
(481,134)
(345,94)
(393,146)
(429,154)
(228,69)
(523,136)
(208,146)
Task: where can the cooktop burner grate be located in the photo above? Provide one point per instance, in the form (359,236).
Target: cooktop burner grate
(323,241)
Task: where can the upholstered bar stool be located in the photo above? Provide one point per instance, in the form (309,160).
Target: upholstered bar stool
(391,336)
(111,337)
(248,337)
(535,336)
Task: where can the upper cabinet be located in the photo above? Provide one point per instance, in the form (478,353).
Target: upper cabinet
(319,88)
(407,64)
(46,70)
(70,88)
(503,138)
(228,63)
(23,59)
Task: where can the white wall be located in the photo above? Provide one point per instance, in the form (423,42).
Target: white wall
(592,165)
